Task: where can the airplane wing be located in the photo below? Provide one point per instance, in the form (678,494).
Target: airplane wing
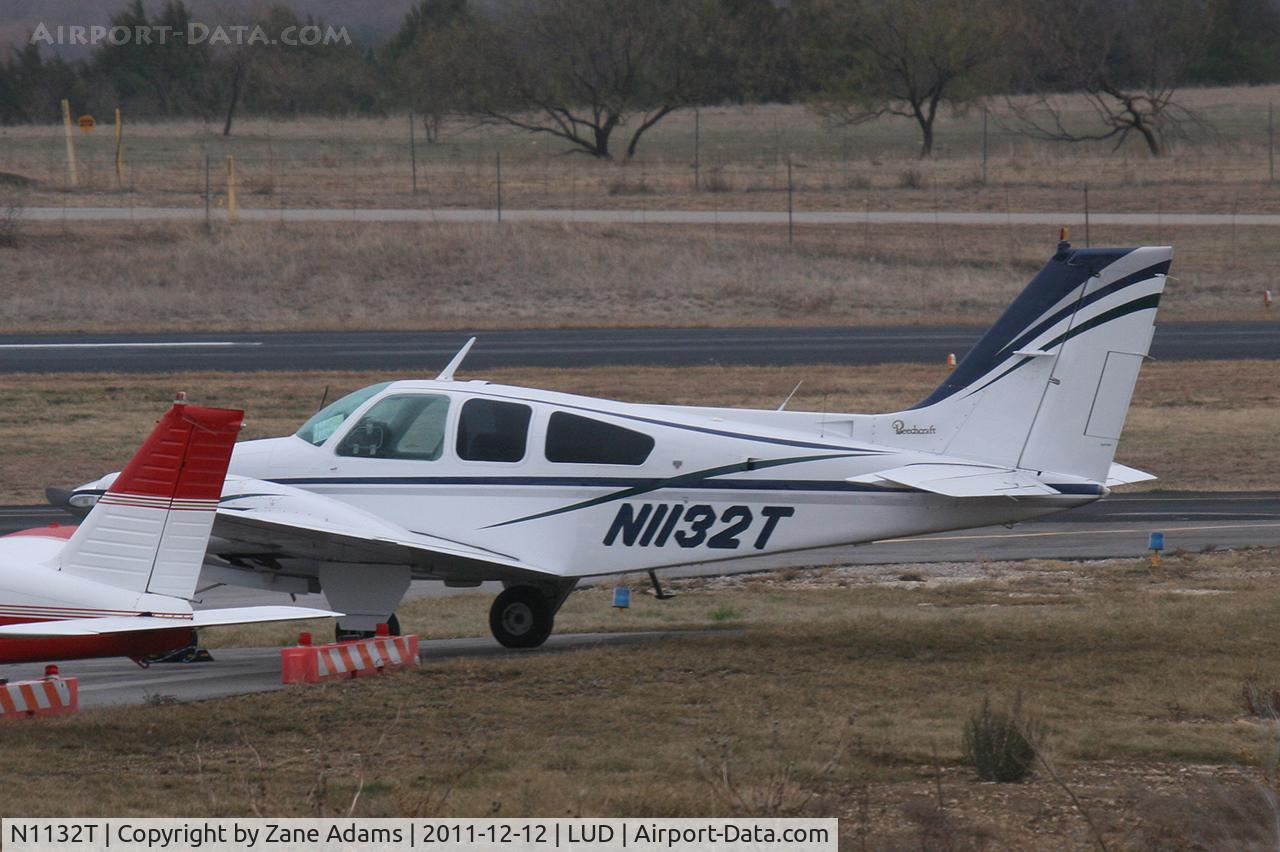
(961,480)
(265,519)
(137,623)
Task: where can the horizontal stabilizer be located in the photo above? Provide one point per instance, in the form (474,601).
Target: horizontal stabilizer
(960,480)
(137,623)
(1122,474)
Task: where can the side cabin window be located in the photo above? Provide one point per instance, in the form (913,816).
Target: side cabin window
(491,430)
(581,440)
(404,426)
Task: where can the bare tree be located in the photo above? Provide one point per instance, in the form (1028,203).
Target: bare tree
(904,57)
(581,70)
(428,68)
(1127,58)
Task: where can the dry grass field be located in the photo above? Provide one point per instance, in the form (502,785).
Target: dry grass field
(269,275)
(1208,425)
(828,692)
(259,276)
(741,159)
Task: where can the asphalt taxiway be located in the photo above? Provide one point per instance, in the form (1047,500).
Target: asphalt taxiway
(424,352)
(243,671)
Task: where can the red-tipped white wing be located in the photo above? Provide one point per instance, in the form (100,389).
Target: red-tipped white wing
(149,532)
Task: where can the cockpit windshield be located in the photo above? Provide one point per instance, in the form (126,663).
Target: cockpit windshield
(327,420)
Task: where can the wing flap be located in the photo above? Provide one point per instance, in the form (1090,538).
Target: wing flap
(271,519)
(140,623)
(961,480)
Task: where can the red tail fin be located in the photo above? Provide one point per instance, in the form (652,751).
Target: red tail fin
(149,532)
(185,457)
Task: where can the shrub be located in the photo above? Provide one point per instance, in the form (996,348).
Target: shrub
(715,180)
(622,186)
(11,210)
(1001,746)
(911,179)
(1261,700)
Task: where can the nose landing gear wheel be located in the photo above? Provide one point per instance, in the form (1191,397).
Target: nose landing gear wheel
(521,617)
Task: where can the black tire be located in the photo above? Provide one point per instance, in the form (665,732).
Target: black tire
(521,617)
(341,635)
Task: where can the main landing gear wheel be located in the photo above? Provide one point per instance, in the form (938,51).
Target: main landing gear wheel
(521,617)
(341,635)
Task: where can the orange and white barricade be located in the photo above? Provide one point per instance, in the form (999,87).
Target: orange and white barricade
(49,697)
(307,663)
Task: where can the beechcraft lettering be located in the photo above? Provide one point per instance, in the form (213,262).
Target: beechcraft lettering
(901,428)
(462,482)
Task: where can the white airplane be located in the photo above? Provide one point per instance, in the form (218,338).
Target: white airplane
(466,481)
(120,584)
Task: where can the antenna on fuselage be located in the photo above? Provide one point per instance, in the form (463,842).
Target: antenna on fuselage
(446,375)
(793,393)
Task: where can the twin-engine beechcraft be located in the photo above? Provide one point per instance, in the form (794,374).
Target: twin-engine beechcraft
(120,584)
(466,481)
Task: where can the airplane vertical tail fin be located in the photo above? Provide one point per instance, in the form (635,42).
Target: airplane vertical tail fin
(1048,387)
(149,532)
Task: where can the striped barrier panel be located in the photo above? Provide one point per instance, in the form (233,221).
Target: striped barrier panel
(308,663)
(49,697)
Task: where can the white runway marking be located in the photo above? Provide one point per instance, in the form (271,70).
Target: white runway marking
(174,344)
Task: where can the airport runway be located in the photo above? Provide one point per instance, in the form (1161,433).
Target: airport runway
(424,352)
(241,671)
(648,217)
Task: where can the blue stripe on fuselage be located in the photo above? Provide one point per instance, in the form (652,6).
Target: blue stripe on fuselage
(582,482)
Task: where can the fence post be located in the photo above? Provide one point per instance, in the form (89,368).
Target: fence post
(207,193)
(72,172)
(1271,143)
(984,145)
(790,206)
(413,154)
(1086,215)
(697,149)
(866,225)
(231,189)
(119,150)
(498,160)
(1235,209)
